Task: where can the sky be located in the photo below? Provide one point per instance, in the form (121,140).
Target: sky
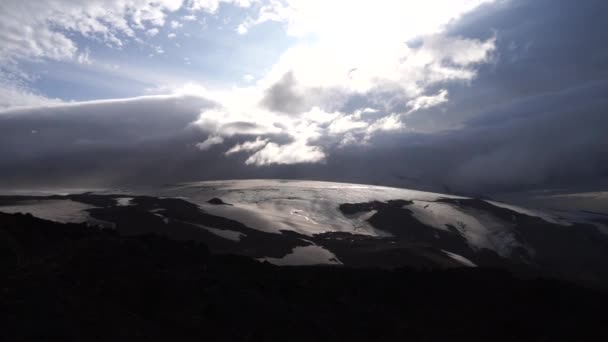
(468,96)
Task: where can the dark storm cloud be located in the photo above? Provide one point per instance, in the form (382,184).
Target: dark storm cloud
(284,96)
(541,46)
(289,97)
(535,118)
(93,140)
(553,140)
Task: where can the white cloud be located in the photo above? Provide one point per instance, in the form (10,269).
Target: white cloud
(211,140)
(293,153)
(152,32)
(239,114)
(211,6)
(40,29)
(248,78)
(242,29)
(422,102)
(362,20)
(387,123)
(176,24)
(37,30)
(360,67)
(13,96)
(85,57)
(171,35)
(346,123)
(254,145)
(349,58)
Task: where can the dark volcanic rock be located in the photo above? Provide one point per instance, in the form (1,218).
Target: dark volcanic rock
(218,201)
(577,252)
(68,282)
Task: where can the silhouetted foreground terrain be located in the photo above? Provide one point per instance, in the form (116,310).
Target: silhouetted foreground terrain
(69,282)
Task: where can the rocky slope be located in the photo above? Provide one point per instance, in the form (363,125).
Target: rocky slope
(73,282)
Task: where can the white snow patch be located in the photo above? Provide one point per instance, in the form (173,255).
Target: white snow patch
(480,229)
(460,259)
(62,210)
(439,215)
(226,234)
(124,201)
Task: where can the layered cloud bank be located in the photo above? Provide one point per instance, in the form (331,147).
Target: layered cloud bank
(477,97)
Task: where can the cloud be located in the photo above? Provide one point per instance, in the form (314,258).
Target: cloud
(211,6)
(477,107)
(386,123)
(254,145)
(152,32)
(211,140)
(423,102)
(98,141)
(13,96)
(176,24)
(498,100)
(284,96)
(385,65)
(341,19)
(307,97)
(345,123)
(293,153)
(35,31)
(360,51)
(534,147)
(310,96)
(301,105)
(85,57)
(119,142)
(40,29)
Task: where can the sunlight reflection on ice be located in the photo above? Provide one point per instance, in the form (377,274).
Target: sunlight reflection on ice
(307,207)
(64,211)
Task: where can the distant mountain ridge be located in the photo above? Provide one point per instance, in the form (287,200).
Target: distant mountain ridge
(305,224)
